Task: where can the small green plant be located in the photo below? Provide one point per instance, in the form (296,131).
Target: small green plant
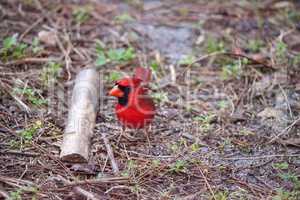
(19,51)
(290,177)
(15,195)
(101,59)
(156,163)
(130,168)
(282,165)
(81,14)
(213,45)
(183,142)
(10,42)
(35,46)
(255,45)
(223,104)
(123,18)
(51,72)
(131,164)
(296,61)
(195,147)
(232,70)
(281,49)
(121,54)
(221,195)
(282,194)
(31,96)
(179,166)
(187,60)
(160,97)
(155,66)
(11,48)
(294,16)
(114,55)
(125,173)
(114,76)
(174,147)
(205,121)
(28,133)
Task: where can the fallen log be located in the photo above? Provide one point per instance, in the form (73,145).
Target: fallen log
(81,117)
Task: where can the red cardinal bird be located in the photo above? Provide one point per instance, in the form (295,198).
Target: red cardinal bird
(135,109)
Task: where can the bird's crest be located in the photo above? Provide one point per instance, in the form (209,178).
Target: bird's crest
(144,74)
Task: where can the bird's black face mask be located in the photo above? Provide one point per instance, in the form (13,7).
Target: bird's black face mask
(123,101)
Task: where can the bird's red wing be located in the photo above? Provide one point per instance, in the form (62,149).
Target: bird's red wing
(143,74)
(146,103)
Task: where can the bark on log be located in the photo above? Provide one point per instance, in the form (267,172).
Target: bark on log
(81,117)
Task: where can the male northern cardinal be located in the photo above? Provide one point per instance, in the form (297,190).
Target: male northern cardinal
(135,109)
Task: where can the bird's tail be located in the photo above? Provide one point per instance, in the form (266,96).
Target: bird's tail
(143,74)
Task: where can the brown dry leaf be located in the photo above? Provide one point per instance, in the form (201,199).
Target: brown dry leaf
(270,112)
(47,37)
(283,4)
(291,141)
(84,168)
(259,58)
(237,50)
(296,47)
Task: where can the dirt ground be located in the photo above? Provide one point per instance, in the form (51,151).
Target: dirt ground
(225,82)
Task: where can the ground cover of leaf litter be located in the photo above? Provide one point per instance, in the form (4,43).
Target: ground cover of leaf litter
(225,82)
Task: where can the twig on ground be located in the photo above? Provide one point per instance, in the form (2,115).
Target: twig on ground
(284,131)
(226,54)
(4,194)
(67,170)
(20,183)
(255,189)
(18,100)
(99,181)
(30,61)
(117,187)
(262,157)
(80,190)
(44,12)
(66,52)
(207,183)
(287,100)
(30,28)
(149,156)
(9,130)
(110,153)
(13,152)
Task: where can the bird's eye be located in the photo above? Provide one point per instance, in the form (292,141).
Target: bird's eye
(125,89)
(121,87)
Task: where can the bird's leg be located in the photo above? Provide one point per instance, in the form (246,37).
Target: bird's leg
(146,132)
(122,133)
(127,136)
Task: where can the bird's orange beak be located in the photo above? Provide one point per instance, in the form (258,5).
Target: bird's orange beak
(116,92)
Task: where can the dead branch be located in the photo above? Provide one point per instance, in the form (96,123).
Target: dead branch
(99,181)
(81,118)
